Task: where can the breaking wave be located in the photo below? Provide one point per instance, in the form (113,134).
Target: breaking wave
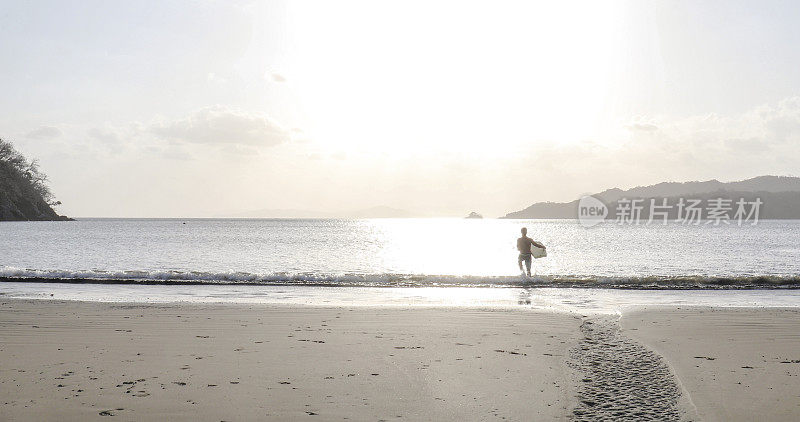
(11,274)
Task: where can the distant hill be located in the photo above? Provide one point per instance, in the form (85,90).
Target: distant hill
(24,196)
(274,213)
(379,212)
(780,196)
(373,212)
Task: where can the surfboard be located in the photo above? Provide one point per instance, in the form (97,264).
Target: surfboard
(537,252)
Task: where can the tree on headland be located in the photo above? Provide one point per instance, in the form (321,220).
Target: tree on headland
(24,193)
(27,169)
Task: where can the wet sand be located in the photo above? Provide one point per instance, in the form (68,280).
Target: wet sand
(736,364)
(83,361)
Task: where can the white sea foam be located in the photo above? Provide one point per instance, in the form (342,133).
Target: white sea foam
(392,280)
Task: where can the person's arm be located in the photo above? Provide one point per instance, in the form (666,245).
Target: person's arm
(538,245)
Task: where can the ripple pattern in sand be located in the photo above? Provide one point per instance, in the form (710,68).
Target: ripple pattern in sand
(619,379)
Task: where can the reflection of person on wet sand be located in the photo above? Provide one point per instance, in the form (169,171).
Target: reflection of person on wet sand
(524,296)
(524,247)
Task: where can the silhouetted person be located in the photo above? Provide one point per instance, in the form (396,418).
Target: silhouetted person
(524,247)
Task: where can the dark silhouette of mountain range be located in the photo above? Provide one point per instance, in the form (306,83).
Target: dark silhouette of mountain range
(780,197)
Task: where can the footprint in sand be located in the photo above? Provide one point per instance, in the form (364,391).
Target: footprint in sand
(110,412)
(705,357)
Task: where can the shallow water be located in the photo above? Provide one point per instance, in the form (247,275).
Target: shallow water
(578,300)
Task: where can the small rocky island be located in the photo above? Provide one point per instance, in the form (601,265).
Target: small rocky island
(24,194)
(474,214)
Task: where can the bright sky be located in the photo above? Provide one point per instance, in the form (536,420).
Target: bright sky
(169,108)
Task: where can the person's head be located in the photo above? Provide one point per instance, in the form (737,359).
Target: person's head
(524,231)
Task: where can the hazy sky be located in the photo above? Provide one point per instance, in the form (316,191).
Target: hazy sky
(168,108)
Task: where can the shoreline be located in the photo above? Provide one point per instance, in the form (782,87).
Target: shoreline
(685,282)
(574,300)
(74,360)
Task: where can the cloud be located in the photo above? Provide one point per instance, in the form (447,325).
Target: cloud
(299,137)
(763,140)
(222,125)
(781,122)
(769,125)
(104,134)
(237,149)
(214,78)
(644,127)
(746,145)
(109,138)
(275,77)
(44,132)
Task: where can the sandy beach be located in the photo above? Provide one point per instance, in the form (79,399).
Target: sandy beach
(735,364)
(82,360)
(68,360)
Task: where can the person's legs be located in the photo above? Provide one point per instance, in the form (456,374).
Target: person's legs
(519,262)
(528,259)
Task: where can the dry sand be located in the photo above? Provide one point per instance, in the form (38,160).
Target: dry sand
(736,364)
(83,361)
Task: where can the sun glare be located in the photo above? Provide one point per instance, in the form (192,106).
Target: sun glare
(457,77)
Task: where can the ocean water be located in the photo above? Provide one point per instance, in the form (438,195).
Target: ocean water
(399,253)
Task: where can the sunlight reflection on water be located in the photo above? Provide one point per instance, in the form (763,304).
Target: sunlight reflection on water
(377,250)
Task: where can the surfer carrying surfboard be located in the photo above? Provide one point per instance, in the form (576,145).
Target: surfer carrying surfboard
(524,245)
